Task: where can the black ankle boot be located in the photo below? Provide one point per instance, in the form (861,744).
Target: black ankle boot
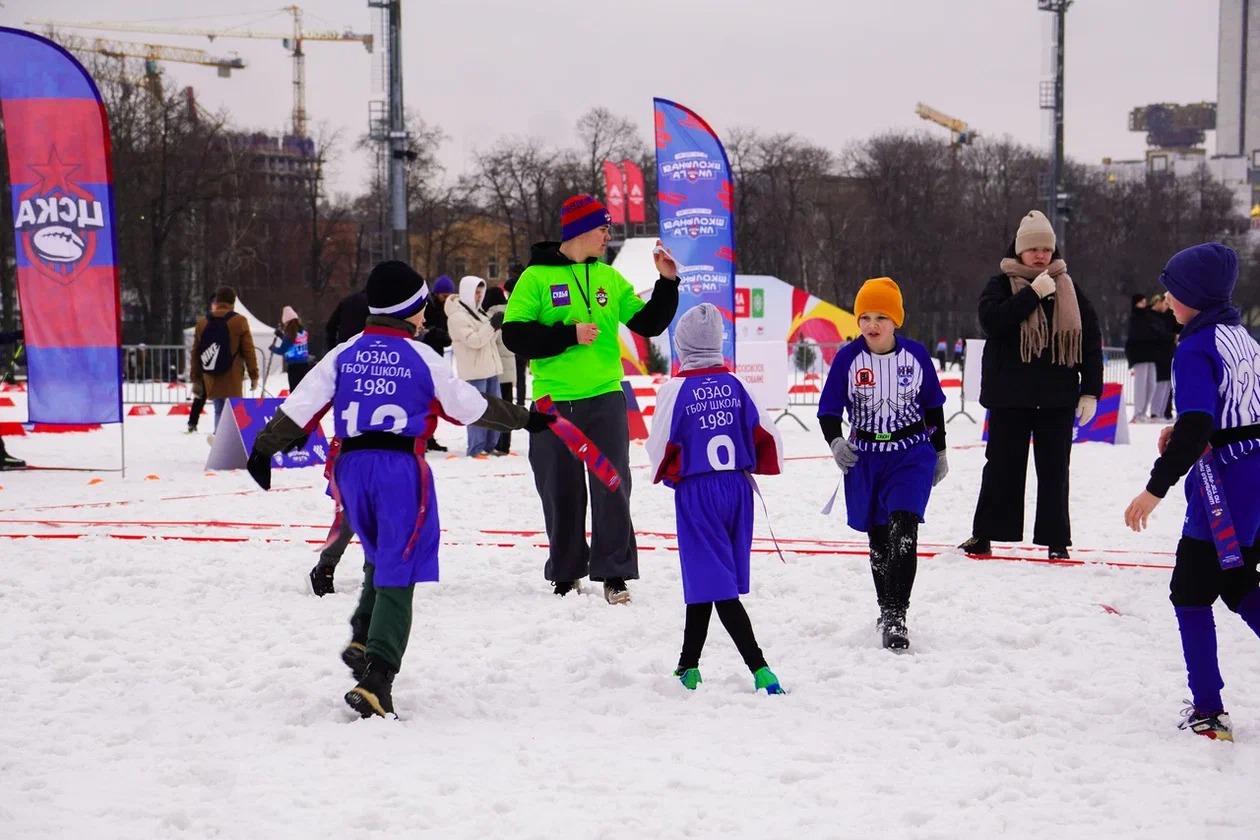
(373,695)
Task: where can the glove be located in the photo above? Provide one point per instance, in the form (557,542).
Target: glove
(259,467)
(844,453)
(299,443)
(942,468)
(1043,285)
(539,421)
(1086,406)
(496,320)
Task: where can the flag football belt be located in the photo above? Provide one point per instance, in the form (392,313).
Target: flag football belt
(1216,508)
(580,445)
(379,440)
(904,432)
(1238,434)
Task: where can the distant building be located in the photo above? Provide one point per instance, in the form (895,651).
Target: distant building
(1238,79)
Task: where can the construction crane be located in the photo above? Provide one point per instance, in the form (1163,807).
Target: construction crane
(959,133)
(292,41)
(153,53)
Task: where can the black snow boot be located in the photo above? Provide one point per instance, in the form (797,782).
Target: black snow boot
(8,462)
(373,695)
(355,657)
(893,625)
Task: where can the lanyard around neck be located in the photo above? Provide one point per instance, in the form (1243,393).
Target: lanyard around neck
(586,295)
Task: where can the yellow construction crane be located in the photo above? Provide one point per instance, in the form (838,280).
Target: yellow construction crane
(153,53)
(292,41)
(959,133)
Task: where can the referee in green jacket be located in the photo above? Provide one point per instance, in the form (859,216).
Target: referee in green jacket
(563,316)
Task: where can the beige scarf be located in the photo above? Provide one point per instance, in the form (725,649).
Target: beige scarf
(1035,334)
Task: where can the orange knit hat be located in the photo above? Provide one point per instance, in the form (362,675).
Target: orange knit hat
(880,295)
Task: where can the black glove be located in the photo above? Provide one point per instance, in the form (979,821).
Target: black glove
(496,320)
(259,467)
(300,443)
(539,421)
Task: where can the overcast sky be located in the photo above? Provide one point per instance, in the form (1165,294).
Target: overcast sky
(831,71)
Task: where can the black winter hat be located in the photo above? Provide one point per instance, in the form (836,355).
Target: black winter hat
(396,289)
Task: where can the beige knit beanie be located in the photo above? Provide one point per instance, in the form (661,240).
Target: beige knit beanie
(1034,232)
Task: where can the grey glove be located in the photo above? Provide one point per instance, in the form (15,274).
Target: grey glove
(1043,285)
(496,320)
(844,453)
(942,468)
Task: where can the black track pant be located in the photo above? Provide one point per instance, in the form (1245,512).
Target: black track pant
(895,562)
(1000,508)
(1198,579)
(505,438)
(734,618)
(562,486)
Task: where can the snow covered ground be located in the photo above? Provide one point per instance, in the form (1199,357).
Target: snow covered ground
(176,688)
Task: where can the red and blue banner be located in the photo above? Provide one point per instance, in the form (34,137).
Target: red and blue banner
(695,200)
(57,138)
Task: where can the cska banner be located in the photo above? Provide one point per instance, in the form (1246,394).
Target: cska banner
(57,140)
(694,198)
(636,196)
(615,193)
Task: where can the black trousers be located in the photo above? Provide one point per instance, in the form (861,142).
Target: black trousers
(505,438)
(562,486)
(194,413)
(895,562)
(1198,579)
(296,371)
(1000,508)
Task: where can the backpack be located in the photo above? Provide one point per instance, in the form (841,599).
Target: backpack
(215,347)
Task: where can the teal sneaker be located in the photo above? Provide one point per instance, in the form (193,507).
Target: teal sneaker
(766,679)
(690,678)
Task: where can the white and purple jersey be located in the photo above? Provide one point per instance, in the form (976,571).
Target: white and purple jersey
(883,393)
(706,421)
(1216,370)
(382,380)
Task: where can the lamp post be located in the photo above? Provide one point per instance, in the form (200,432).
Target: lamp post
(1052,100)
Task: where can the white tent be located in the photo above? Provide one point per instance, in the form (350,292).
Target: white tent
(261,333)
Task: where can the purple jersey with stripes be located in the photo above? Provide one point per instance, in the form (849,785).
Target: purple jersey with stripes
(882,392)
(1216,370)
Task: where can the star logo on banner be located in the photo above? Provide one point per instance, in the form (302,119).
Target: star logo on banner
(54,175)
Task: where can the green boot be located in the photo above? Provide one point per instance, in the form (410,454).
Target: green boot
(690,678)
(766,679)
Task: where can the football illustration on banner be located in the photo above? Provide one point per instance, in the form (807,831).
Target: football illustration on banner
(58,244)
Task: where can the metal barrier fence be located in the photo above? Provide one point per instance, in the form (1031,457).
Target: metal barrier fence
(809,363)
(157,374)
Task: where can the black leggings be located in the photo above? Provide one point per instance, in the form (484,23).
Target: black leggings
(895,561)
(734,618)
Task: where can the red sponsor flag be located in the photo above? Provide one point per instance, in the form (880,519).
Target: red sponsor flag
(615,191)
(637,206)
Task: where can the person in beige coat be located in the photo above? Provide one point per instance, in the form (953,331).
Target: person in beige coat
(494,304)
(474,339)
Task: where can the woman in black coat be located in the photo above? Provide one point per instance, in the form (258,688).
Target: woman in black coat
(1042,370)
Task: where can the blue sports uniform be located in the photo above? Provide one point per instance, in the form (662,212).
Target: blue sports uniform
(383,382)
(707,435)
(886,396)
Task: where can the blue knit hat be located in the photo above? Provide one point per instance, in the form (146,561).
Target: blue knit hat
(1202,276)
(580,214)
(444,285)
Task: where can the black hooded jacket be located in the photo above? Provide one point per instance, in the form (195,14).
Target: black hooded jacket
(1009,382)
(539,341)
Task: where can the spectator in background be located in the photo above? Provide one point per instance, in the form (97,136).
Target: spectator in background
(294,346)
(519,361)
(942,352)
(960,347)
(223,349)
(1142,349)
(1042,369)
(494,304)
(1161,406)
(475,340)
(347,320)
(9,342)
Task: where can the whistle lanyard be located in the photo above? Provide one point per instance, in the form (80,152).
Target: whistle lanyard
(586,295)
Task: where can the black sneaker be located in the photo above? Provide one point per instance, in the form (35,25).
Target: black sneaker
(8,462)
(976,546)
(564,587)
(434,446)
(1057,553)
(374,693)
(896,636)
(322,579)
(615,591)
(355,657)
